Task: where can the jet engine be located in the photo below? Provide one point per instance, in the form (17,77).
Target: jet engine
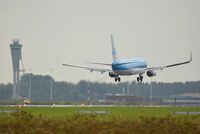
(111,74)
(151,73)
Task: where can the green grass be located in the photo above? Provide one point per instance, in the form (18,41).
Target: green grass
(122,112)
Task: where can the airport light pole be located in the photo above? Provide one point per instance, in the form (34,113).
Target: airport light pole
(30,84)
(151,95)
(88,92)
(128,88)
(51,85)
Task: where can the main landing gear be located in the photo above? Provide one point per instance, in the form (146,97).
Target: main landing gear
(140,78)
(117,79)
(114,75)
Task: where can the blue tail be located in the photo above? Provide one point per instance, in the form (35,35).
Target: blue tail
(114,52)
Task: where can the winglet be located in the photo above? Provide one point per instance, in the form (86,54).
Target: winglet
(190,56)
(177,64)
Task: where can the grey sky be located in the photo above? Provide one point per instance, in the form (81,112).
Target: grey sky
(75,31)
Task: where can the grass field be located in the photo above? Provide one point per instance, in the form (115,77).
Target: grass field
(121,120)
(123,112)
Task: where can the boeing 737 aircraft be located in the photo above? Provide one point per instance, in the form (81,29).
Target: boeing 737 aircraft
(125,67)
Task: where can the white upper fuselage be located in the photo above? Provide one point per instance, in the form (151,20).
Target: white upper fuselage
(129,66)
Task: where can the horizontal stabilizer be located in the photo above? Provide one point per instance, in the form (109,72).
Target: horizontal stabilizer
(97,63)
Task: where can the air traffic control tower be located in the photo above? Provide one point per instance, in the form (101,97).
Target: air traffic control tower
(16,57)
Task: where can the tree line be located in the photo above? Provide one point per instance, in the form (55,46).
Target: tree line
(41,85)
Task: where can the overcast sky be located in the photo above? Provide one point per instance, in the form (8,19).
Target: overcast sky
(76,31)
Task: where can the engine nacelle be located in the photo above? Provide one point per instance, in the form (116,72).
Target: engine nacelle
(111,74)
(151,73)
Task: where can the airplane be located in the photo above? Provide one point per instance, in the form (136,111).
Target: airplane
(127,67)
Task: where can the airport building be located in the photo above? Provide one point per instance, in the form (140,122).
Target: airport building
(185,99)
(130,99)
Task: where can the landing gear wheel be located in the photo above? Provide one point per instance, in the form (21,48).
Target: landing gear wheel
(119,79)
(138,79)
(116,78)
(141,78)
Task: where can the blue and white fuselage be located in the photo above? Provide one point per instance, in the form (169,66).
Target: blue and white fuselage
(129,66)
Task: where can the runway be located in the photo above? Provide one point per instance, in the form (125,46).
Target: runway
(82,105)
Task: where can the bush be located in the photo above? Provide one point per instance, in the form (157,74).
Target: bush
(25,123)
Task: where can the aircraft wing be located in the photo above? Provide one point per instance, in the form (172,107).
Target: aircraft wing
(171,65)
(91,69)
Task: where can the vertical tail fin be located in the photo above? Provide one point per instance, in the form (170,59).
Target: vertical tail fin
(114,52)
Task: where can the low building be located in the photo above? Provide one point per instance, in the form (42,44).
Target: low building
(129,99)
(185,99)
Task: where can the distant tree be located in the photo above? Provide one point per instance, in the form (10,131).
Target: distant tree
(6,91)
(66,91)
